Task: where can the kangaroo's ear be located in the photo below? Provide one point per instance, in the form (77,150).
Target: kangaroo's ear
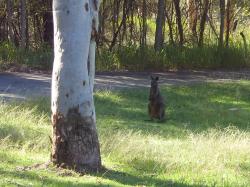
(156,78)
(152,78)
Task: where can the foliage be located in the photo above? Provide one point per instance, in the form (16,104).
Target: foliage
(40,58)
(208,149)
(173,57)
(122,22)
(135,58)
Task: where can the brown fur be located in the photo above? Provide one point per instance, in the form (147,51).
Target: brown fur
(156,106)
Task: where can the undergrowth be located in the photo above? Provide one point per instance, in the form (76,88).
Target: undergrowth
(134,58)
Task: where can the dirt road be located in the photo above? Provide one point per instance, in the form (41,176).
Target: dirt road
(23,85)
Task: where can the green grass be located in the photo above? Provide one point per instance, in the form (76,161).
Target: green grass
(205,140)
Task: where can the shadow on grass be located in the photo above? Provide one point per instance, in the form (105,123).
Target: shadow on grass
(128,179)
(42,180)
(115,176)
(194,108)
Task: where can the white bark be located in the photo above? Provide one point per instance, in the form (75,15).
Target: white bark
(92,48)
(75,141)
(95,24)
(70,80)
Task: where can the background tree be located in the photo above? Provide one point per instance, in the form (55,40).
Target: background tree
(23,23)
(130,31)
(159,34)
(222,21)
(179,21)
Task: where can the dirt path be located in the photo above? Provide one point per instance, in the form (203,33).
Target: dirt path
(23,85)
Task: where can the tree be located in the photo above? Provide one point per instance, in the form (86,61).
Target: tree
(10,20)
(75,142)
(203,21)
(222,19)
(48,24)
(23,23)
(179,21)
(193,17)
(144,24)
(159,37)
(230,4)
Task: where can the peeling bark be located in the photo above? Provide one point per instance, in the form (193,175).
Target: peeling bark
(76,141)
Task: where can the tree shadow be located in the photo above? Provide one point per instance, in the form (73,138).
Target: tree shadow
(128,179)
(116,176)
(44,180)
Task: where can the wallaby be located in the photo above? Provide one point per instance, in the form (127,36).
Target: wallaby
(156,106)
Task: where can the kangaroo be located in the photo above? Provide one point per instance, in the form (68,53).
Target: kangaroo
(156,106)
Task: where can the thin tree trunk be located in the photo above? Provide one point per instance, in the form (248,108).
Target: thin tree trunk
(144,24)
(131,25)
(169,21)
(179,21)
(228,21)
(23,23)
(203,22)
(75,142)
(159,37)
(48,24)
(38,28)
(222,19)
(244,42)
(10,20)
(124,18)
(193,17)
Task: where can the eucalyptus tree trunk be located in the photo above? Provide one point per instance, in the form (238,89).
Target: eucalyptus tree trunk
(206,4)
(169,16)
(23,23)
(222,20)
(193,17)
(229,15)
(75,142)
(48,24)
(179,21)
(10,20)
(144,24)
(159,35)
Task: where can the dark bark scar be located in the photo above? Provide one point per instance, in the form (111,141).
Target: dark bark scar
(87,7)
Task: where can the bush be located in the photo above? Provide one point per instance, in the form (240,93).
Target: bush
(134,58)
(11,55)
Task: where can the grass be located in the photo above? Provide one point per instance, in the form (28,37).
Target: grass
(205,140)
